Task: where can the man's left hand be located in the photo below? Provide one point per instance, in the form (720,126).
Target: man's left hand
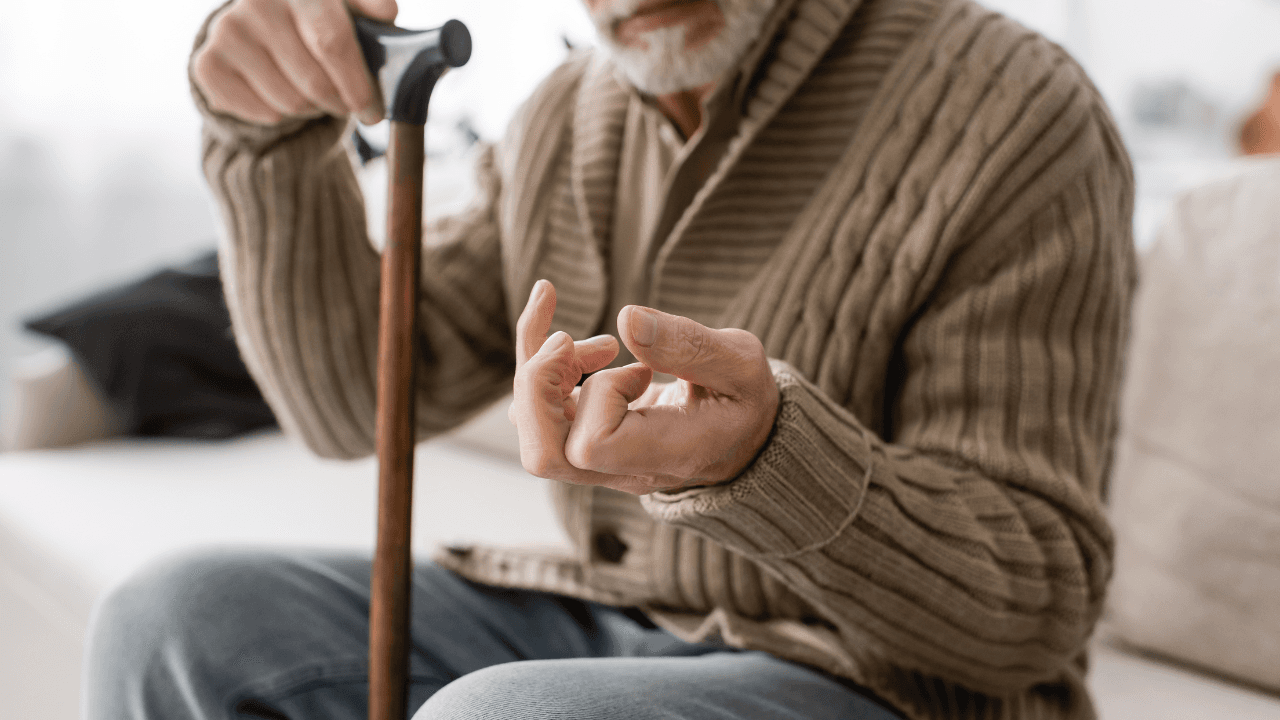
(639,437)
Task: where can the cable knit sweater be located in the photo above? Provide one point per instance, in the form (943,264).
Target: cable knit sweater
(923,211)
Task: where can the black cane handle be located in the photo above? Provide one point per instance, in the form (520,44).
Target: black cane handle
(407,63)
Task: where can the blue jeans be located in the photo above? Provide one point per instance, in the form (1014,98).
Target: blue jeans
(284,635)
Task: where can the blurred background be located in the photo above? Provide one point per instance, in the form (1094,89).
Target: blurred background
(99,143)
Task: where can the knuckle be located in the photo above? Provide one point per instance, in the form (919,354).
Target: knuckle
(521,383)
(746,348)
(330,38)
(538,464)
(244,15)
(233,25)
(312,85)
(749,346)
(592,384)
(531,386)
(578,452)
(524,321)
(204,65)
(530,464)
(297,105)
(691,344)
(590,449)
(739,337)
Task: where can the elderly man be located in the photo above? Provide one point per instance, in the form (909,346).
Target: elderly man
(882,247)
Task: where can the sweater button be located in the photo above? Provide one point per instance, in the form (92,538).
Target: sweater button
(609,547)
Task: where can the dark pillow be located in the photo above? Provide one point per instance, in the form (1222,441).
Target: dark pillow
(161,351)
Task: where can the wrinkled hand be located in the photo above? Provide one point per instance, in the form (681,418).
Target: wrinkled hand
(546,394)
(267,60)
(620,429)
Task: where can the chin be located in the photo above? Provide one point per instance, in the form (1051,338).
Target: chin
(662,63)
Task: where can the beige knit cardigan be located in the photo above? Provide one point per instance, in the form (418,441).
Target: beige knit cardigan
(923,213)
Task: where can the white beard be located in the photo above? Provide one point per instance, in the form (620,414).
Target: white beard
(665,66)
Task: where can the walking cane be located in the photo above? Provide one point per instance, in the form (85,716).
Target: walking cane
(407,65)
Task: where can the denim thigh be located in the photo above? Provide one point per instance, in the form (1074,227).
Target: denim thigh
(283,635)
(235,633)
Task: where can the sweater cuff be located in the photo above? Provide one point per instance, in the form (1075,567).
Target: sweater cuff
(230,129)
(801,492)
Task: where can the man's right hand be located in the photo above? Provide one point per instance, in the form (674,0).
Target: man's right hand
(267,60)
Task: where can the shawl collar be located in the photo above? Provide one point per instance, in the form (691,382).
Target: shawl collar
(801,33)
(598,119)
(564,191)
(804,31)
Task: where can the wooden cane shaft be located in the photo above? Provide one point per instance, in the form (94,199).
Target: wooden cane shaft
(392,564)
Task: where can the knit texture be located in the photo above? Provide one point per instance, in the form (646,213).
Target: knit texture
(923,213)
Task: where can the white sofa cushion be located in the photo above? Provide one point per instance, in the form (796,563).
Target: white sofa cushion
(1196,488)
(75,521)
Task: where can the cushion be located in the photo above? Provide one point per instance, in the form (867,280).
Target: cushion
(1196,487)
(75,521)
(52,403)
(160,351)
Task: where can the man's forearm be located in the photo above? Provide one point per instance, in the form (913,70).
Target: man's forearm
(301,280)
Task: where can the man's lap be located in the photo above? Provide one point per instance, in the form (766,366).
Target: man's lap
(287,631)
(715,686)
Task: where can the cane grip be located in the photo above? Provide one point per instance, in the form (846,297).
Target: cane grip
(407,63)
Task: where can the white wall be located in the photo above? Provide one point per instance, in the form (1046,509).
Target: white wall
(99,142)
(1226,47)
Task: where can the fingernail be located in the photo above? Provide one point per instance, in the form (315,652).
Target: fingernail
(535,291)
(558,339)
(598,340)
(644,326)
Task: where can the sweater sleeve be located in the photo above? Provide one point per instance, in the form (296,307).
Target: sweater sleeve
(969,541)
(301,280)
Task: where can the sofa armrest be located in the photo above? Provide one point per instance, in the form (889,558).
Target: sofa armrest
(53,403)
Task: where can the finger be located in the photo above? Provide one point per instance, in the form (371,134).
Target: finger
(539,410)
(593,442)
(384,10)
(595,353)
(512,407)
(326,30)
(543,423)
(267,80)
(535,321)
(550,372)
(587,356)
(229,93)
(725,361)
(242,36)
(296,62)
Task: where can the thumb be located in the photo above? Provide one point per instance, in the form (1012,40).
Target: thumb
(384,10)
(724,361)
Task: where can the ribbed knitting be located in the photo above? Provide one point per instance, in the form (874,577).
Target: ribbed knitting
(924,214)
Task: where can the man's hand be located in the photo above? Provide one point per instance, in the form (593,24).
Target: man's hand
(546,392)
(625,432)
(266,60)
